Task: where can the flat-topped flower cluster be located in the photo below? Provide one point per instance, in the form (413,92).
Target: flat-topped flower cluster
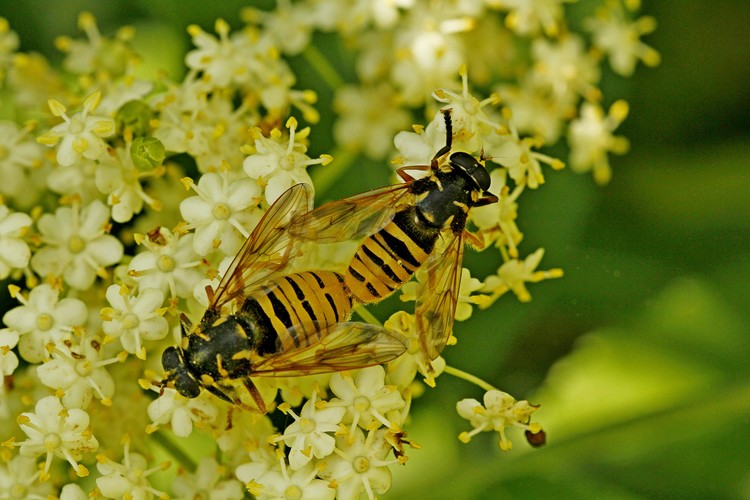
(123,196)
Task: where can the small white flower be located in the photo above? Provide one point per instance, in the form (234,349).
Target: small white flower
(128,478)
(230,131)
(72,491)
(514,274)
(249,437)
(403,370)
(465,302)
(620,38)
(222,211)
(360,465)
(308,434)
(134,319)
(279,164)
(80,374)
(181,126)
(79,135)
(19,153)
(224,60)
(14,252)
(468,115)
(535,112)
(564,68)
(167,263)
(76,245)
(280,483)
(97,54)
(527,17)
(19,478)
(591,138)
(518,155)
(290,26)
(418,148)
(120,180)
(9,43)
(181,412)
(498,220)
(43,318)
(8,359)
(54,430)
(500,410)
(430,51)
(208,479)
(365,396)
(77,180)
(121,91)
(368,118)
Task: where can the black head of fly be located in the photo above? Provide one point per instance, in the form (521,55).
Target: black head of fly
(473,171)
(463,163)
(177,373)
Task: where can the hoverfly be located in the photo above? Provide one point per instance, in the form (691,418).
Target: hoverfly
(261,322)
(401,225)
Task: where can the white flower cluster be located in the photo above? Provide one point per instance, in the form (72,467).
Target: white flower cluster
(119,206)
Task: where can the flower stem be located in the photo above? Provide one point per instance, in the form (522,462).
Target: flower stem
(326,177)
(469,378)
(174,451)
(324,68)
(366,315)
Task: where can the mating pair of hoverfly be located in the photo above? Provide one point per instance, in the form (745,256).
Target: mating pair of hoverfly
(264,320)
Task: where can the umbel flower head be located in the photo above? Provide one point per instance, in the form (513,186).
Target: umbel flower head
(131,194)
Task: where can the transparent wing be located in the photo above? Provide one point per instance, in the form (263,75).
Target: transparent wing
(354,217)
(269,247)
(346,346)
(437,297)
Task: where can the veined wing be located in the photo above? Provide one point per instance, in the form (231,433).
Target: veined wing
(437,297)
(269,247)
(354,217)
(346,346)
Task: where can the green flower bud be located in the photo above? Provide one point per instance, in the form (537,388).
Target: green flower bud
(147,153)
(135,116)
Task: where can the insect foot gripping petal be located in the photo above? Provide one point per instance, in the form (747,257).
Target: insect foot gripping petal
(177,374)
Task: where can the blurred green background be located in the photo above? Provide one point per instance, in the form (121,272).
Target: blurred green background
(640,355)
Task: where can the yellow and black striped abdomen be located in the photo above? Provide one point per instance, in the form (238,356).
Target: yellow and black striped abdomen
(295,310)
(388,259)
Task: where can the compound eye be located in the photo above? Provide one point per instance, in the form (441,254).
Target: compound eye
(171,359)
(472,168)
(482,177)
(187,386)
(174,365)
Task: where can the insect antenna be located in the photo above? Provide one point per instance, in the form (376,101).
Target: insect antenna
(448,138)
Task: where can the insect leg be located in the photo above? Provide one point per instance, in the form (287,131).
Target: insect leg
(256,395)
(474,240)
(216,391)
(488,199)
(408,178)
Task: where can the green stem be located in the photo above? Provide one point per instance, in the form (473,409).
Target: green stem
(469,378)
(366,315)
(326,177)
(175,451)
(324,68)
